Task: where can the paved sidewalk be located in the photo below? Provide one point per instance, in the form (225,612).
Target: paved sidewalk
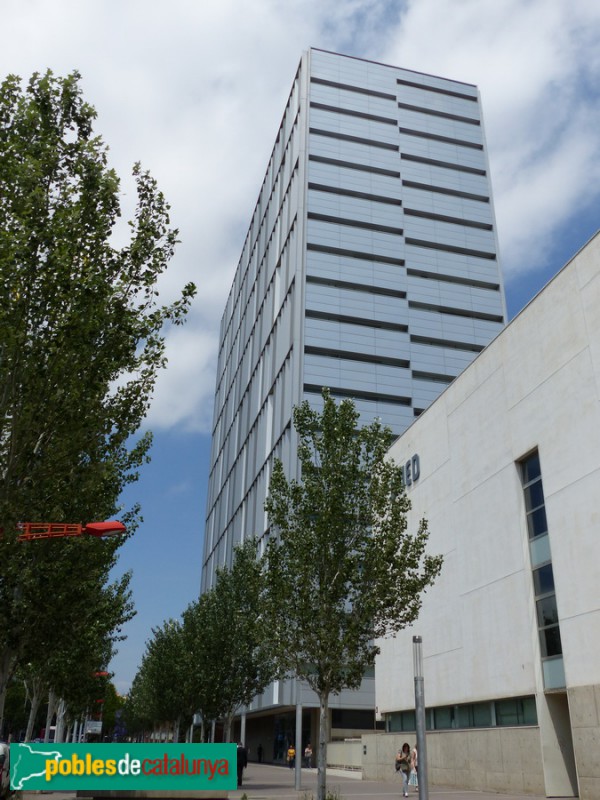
(266,781)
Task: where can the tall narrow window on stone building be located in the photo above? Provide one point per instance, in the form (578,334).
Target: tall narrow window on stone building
(542,573)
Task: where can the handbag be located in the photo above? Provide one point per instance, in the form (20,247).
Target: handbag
(413,779)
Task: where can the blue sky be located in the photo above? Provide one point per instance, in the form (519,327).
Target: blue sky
(196,90)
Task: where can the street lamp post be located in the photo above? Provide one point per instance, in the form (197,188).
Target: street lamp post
(30,531)
(420,717)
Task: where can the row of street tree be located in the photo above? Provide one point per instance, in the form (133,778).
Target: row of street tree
(212,661)
(81,343)
(80,347)
(340,569)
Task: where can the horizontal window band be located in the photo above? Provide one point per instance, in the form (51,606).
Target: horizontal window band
(434,162)
(375,198)
(336,162)
(392,399)
(436,89)
(453,345)
(418,411)
(349,88)
(440,276)
(354,223)
(455,312)
(443,190)
(356,287)
(349,112)
(345,137)
(435,377)
(468,223)
(347,355)
(338,251)
(362,321)
(432,112)
(450,248)
(436,137)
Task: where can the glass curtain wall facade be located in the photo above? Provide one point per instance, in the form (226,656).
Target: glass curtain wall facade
(370,266)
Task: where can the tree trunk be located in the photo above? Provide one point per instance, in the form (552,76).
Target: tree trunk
(36,696)
(176,727)
(227,732)
(49,716)
(7,666)
(60,721)
(322,751)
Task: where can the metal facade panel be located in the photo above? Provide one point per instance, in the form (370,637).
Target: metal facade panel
(373,247)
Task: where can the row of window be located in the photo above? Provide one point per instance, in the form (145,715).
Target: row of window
(411,184)
(387,95)
(495,713)
(439,137)
(542,572)
(373,360)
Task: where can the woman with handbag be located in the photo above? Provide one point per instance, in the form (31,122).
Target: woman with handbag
(402,764)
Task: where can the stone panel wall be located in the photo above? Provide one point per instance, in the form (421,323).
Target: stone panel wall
(507,760)
(584,708)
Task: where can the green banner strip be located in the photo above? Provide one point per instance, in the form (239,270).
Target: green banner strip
(122,767)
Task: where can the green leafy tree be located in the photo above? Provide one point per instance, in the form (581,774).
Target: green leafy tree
(81,341)
(17,708)
(200,620)
(166,668)
(138,712)
(70,666)
(340,561)
(67,656)
(113,705)
(229,643)
(160,695)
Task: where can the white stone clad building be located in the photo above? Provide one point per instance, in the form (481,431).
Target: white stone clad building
(510,483)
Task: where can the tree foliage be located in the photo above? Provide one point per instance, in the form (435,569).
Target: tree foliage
(159,693)
(342,567)
(80,345)
(227,634)
(213,662)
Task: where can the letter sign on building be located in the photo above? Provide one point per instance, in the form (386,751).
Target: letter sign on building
(411,471)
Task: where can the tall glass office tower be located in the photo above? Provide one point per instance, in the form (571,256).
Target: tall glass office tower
(370,266)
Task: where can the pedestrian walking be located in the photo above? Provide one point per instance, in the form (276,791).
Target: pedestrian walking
(308,754)
(414,769)
(402,764)
(291,756)
(242,762)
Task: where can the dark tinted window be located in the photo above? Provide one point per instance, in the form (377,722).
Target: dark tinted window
(543,579)
(521,711)
(534,496)
(536,523)
(531,468)
(547,611)
(550,643)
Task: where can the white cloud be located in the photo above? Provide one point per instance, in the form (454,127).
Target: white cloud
(190,377)
(196,90)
